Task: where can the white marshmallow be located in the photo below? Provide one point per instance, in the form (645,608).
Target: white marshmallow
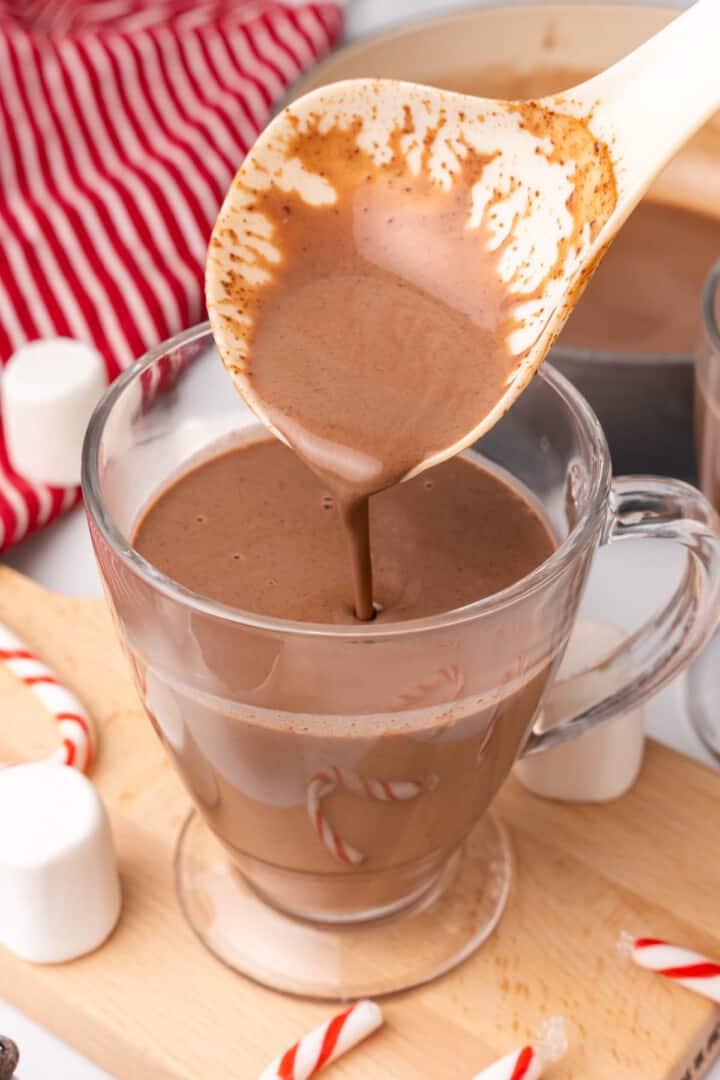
(59,886)
(49,390)
(605,762)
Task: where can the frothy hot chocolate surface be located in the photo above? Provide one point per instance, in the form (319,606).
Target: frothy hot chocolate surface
(255,528)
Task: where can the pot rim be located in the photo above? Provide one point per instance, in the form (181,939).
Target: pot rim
(457,12)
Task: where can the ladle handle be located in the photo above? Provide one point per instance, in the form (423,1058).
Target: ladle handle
(649,103)
(648,507)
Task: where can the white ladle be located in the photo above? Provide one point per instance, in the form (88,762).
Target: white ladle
(640,111)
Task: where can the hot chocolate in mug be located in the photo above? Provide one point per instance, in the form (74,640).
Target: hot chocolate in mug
(342,774)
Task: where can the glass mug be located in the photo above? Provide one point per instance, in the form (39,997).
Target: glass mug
(342,774)
(703,683)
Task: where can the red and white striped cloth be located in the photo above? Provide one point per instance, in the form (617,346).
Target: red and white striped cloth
(122,123)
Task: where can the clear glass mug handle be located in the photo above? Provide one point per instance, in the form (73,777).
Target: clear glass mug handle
(710,310)
(652,508)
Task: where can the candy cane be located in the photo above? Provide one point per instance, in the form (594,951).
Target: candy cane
(76,728)
(451,677)
(324,783)
(689,969)
(528,1062)
(326,1043)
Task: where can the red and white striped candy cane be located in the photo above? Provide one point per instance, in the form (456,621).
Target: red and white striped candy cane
(689,969)
(324,783)
(326,1043)
(528,1062)
(521,1064)
(76,728)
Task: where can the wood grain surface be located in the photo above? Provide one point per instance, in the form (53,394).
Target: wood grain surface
(152,1004)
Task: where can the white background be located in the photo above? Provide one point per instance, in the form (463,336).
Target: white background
(627,582)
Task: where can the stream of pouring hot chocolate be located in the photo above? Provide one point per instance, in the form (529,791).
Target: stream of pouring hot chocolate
(380,337)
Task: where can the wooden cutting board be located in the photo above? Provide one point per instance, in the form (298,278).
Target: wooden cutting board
(152,1004)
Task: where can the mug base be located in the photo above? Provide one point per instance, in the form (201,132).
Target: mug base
(428,937)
